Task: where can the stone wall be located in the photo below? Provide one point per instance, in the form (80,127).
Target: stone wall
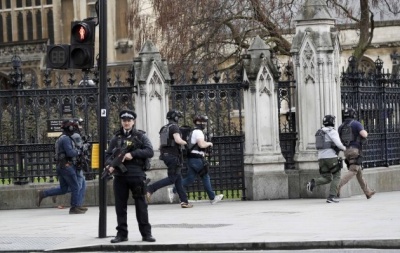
(25,196)
(381,179)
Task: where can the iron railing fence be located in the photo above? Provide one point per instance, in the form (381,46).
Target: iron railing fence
(27,143)
(220,97)
(376,98)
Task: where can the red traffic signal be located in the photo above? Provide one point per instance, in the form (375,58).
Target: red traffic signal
(57,56)
(82,44)
(82,32)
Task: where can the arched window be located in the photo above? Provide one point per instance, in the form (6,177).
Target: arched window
(20,29)
(9,27)
(39,25)
(50,26)
(366,65)
(29,22)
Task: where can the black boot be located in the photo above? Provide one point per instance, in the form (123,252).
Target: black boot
(119,238)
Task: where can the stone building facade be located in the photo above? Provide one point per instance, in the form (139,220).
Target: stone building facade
(29,25)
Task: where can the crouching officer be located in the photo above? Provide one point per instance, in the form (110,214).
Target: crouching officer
(133,178)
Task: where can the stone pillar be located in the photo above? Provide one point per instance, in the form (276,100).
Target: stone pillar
(315,52)
(151,105)
(151,102)
(265,177)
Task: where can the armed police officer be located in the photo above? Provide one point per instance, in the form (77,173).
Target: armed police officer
(353,135)
(171,154)
(196,162)
(81,164)
(329,167)
(67,171)
(135,147)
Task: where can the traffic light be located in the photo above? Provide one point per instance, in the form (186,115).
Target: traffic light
(82,44)
(57,56)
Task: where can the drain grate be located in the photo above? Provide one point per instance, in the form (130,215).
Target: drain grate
(185,225)
(29,243)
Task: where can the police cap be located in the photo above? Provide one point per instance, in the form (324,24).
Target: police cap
(127,114)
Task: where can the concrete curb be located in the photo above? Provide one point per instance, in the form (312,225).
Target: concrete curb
(299,245)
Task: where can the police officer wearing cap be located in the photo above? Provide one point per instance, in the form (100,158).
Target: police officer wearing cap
(138,147)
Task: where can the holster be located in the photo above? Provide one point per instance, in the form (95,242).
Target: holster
(140,190)
(338,167)
(205,168)
(63,163)
(354,161)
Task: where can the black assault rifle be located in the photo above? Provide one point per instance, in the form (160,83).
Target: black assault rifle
(115,161)
(83,159)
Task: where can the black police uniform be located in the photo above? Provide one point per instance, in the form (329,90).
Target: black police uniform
(133,179)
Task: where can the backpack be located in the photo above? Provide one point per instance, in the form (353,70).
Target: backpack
(346,133)
(165,140)
(320,142)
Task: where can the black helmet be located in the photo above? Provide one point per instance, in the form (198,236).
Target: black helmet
(174,115)
(329,120)
(349,113)
(69,125)
(200,118)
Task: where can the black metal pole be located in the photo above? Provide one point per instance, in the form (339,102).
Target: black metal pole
(103,98)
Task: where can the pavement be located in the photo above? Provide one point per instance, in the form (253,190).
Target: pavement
(288,224)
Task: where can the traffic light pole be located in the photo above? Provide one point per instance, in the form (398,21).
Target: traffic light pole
(103,98)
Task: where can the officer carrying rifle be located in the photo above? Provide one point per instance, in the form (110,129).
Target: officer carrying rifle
(126,158)
(115,161)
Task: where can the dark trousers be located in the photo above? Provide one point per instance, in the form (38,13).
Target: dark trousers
(174,165)
(122,185)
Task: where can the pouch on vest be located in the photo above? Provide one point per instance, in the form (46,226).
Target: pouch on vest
(320,142)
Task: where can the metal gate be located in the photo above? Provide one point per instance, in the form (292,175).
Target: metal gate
(375,96)
(222,102)
(287,118)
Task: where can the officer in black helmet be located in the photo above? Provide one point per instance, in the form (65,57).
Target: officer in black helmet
(196,163)
(137,147)
(329,166)
(353,136)
(170,149)
(67,172)
(78,141)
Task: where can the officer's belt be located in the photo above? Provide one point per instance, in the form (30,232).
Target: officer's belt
(194,155)
(169,154)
